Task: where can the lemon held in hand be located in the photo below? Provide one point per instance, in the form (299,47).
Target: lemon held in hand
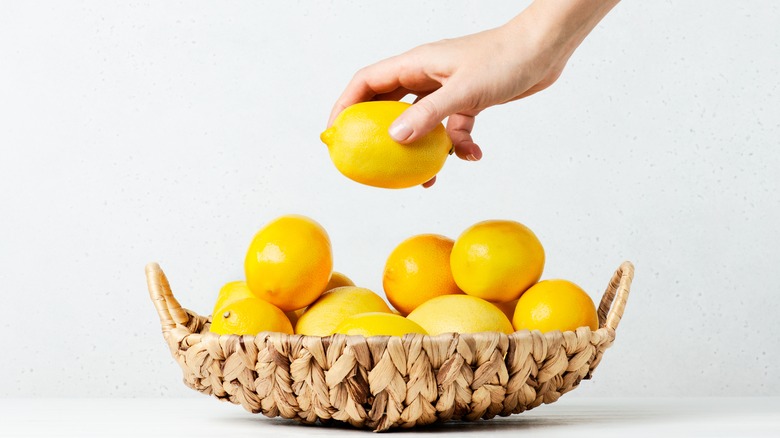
(555,305)
(378,324)
(460,314)
(362,149)
(417,270)
(249,316)
(497,260)
(325,314)
(289,262)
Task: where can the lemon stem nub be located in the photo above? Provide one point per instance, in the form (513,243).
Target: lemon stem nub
(327,135)
(227,314)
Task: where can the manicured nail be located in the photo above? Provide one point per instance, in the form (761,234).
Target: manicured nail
(400,131)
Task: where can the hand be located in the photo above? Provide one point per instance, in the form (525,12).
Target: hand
(458,78)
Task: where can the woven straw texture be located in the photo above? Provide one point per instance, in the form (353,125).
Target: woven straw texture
(382,382)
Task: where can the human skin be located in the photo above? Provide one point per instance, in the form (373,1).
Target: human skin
(458,78)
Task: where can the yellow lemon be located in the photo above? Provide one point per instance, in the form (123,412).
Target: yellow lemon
(238,290)
(460,314)
(417,270)
(555,305)
(249,316)
(289,262)
(325,314)
(378,324)
(230,292)
(338,280)
(497,260)
(362,149)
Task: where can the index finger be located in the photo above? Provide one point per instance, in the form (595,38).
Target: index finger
(380,78)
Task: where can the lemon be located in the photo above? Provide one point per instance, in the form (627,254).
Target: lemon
(362,149)
(230,292)
(378,324)
(238,290)
(323,316)
(249,316)
(417,270)
(497,260)
(338,280)
(555,305)
(460,314)
(289,262)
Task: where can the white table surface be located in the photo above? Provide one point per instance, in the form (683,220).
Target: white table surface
(569,417)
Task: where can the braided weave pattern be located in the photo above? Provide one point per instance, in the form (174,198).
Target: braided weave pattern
(383,382)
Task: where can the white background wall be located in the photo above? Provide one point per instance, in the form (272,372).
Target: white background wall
(172,132)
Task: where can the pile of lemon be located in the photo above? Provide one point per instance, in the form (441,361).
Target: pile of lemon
(487,280)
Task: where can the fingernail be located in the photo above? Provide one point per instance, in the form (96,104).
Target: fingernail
(400,131)
(471,157)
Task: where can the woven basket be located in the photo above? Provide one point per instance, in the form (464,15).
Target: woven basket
(381,382)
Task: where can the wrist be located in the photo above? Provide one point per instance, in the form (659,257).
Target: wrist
(558,26)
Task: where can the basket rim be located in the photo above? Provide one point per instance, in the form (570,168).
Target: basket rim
(173,315)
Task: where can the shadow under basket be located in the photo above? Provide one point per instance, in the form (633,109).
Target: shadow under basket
(381,382)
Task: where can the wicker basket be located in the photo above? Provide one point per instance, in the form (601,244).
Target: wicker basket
(381,382)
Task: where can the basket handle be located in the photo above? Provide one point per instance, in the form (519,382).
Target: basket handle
(168,308)
(614,300)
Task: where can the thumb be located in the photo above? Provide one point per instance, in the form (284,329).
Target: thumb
(420,118)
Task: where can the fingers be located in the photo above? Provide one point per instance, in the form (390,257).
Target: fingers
(390,79)
(379,78)
(459,128)
(396,94)
(424,115)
